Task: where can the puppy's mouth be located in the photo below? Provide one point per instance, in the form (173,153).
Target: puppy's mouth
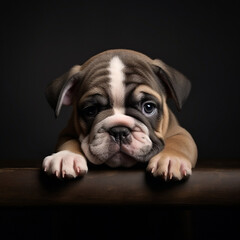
(119,146)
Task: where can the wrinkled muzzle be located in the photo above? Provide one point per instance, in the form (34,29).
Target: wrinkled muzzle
(118,140)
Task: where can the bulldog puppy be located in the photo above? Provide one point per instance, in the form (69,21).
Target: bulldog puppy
(120,116)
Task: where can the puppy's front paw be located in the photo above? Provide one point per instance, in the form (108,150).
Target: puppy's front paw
(169,166)
(65,164)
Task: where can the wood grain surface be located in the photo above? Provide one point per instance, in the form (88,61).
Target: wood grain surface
(206,187)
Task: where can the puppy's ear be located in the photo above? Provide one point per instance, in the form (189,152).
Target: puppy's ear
(60,91)
(178,86)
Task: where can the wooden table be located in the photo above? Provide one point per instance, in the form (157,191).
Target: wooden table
(119,204)
(206,187)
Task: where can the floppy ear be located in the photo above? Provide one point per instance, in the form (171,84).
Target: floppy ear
(60,91)
(178,86)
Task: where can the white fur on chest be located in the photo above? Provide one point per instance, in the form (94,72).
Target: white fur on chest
(117,85)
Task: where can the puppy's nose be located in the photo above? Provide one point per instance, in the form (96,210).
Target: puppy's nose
(120,134)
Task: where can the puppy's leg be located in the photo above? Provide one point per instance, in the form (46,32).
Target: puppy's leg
(178,157)
(69,160)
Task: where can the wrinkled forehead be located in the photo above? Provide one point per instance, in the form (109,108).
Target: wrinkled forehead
(116,73)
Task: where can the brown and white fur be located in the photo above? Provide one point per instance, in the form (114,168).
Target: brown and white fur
(120,116)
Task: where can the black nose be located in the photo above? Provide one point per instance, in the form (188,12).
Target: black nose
(120,134)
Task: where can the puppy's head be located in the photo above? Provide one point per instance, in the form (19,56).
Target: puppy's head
(119,105)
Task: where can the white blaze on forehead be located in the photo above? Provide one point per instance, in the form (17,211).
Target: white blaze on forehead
(117,78)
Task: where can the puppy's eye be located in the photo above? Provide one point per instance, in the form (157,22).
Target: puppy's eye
(90,111)
(149,108)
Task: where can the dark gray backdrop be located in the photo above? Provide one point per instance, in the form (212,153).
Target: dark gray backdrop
(40,41)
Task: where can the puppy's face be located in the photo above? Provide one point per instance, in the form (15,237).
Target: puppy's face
(120,111)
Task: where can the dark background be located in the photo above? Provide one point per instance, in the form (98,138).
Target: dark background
(42,40)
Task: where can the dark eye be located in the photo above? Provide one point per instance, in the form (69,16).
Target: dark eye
(149,108)
(90,111)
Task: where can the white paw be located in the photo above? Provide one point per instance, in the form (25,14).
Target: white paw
(65,164)
(169,166)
